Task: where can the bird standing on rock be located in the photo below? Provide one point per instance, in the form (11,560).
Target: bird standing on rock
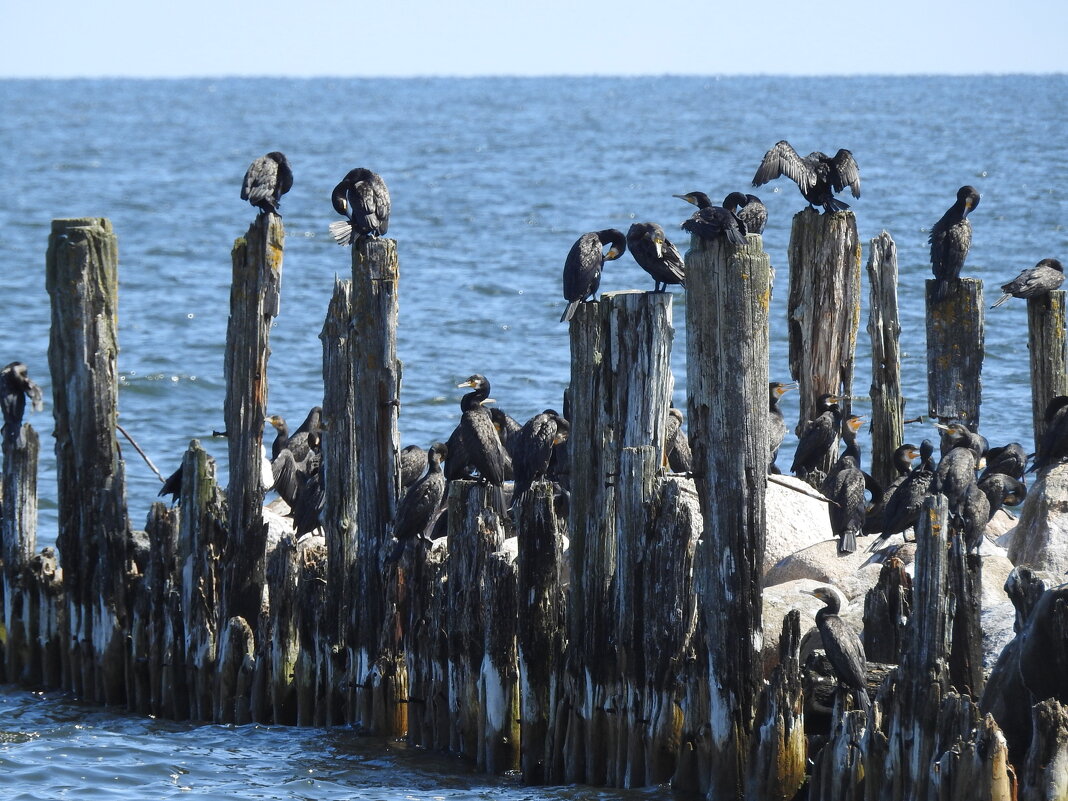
(817,175)
(363,199)
(583,265)
(950,240)
(266,180)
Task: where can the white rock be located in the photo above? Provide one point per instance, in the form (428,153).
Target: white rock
(796,519)
(1040,540)
(854,574)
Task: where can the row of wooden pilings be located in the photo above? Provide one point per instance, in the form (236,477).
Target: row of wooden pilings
(616,647)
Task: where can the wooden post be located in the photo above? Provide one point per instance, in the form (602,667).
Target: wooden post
(339,488)
(728,291)
(955,352)
(541,634)
(160,583)
(376,376)
(824,308)
(887,404)
(965,584)
(427,648)
(1046,341)
(254,302)
(314,609)
(82,282)
(1044,774)
(887,608)
(498,684)
(18,542)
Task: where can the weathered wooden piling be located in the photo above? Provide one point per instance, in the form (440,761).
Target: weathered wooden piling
(377,669)
(426,647)
(887,403)
(887,608)
(255,296)
(955,336)
(1048,346)
(18,543)
(965,584)
(82,282)
(728,291)
(824,308)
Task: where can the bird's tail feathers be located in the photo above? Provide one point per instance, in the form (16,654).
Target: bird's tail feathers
(834,204)
(735,237)
(847,543)
(569,312)
(341,230)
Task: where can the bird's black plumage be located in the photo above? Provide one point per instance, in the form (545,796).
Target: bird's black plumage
(776,422)
(902,508)
(750,210)
(1010,459)
(484,449)
(172,486)
(973,513)
(655,254)
(363,199)
(677,451)
(1053,447)
(281,436)
(817,175)
(413,462)
(1041,279)
(266,180)
(845,487)
(955,473)
(420,502)
(711,222)
(1002,490)
(534,446)
(842,645)
(584,263)
(15,387)
(951,239)
(818,437)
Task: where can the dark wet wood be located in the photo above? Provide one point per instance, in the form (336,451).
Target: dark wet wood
(887,608)
(18,543)
(884,328)
(1047,345)
(955,334)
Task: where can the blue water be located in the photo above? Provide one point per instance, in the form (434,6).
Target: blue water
(492,180)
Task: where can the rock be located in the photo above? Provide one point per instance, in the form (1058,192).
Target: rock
(796,518)
(1040,540)
(854,574)
(997,621)
(996,569)
(1000,523)
(777,603)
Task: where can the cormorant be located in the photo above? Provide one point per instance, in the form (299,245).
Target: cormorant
(298,442)
(361,197)
(508,429)
(1054,445)
(902,509)
(534,446)
(817,175)
(818,437)
(950,239)
(957,469)
(484,449)
(973,513)
(845,487)
(656,255)
(710,222)
(266,180)
(958,435)
(292,466)
(413,461)
(417,507)
(776,422)
(583,265)
(15,387)
(1009,459)
(902,460)
(172,485)
(750,210)
(1002,490)
(281,437)
(677,444)
(1041,279)
(842,645)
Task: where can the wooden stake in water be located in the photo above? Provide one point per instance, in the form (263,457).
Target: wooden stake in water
(955,352)
(887,404)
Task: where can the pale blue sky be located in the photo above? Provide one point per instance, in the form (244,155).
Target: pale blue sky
(62,38)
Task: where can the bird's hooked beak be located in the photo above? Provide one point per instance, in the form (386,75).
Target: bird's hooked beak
(687,198)
(612,254)
(782,389)
(856,423)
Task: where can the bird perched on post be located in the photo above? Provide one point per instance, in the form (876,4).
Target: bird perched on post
(484,449)
(583,265)
(817,175)
(951,239)
(710,222)
(818,437)
(422,499)
(750,210)
(266,180)
(363,199)
(655,254)
(534,446)
(842,645)
(1041,279)
(15,387)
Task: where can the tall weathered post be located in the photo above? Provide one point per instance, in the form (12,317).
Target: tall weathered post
(824,308)
(18,542)
(1047,344)
(255,295)
(82,281)
(955,352)
(887,404)
(728,289)
(378,667)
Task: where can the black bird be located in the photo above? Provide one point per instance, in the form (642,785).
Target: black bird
(842,645)
(15,387)
(845,487)
(413,462)
(817,175)
(819,436)
(750,210)
(1053,447)
(957,469)
(1002,490)
(1009,459)
(656,255)
(710,222)
(484,449)
(676,444)
(298,442)
(534,446)
(266,180)
(776,422)
(172,486)
(973,513)
(281,437)
(508,429)
(902,509)
(957,435)
(420,502)
(903,456)
(363,199)
(583,265)
(292,467)
(1041,279)
(950,240)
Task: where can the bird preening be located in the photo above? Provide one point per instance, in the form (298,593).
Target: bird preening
(15,387)
(584,263)
(362,198)
(1034,282)
(266,180)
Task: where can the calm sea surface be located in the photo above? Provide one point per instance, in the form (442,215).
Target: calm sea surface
(492,180)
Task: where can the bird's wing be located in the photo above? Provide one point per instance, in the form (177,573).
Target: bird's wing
(782,159)
(845,172)
(259,180)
